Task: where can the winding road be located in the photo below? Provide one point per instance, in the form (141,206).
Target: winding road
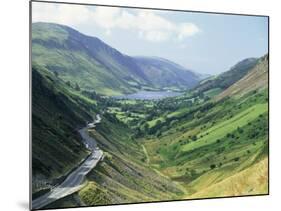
(74,181)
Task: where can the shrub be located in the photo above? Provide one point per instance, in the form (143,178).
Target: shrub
(158,133)
(193,173)
(236,159)
(194,138)
(240,130)
(212,166)
(77,87)
(68,83)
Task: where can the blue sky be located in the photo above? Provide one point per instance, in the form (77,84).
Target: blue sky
(205,43)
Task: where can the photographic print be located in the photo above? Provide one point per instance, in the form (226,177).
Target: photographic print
(134,105)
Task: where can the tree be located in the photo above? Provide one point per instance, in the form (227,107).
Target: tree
(212,166)
(236,159)
(193,173)
(77,87)
(56,74)
(68,83)
(201,95)
(189,103)
(194,138)
(158,122)
(158,133)
(206,98)
(240,130)
(146,126)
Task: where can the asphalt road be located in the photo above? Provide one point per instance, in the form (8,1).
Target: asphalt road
(74,180)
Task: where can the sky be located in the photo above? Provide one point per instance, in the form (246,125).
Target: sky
(202,42)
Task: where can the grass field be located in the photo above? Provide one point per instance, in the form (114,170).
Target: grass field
(220,130)
(213,92)
(250,181)
(232,140)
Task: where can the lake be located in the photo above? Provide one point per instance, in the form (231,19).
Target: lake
(149,95)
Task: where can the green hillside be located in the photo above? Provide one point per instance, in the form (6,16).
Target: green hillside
(122,177)
(62,49)
(94,65)
(226,79)
(166,74)
(56,113)
(214,144)
(210,141)
(204,143)
(256,79)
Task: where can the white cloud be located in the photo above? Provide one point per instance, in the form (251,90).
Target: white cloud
(64,13)
(148,25)
(186,30)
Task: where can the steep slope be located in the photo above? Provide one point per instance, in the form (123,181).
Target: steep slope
(100,67)
(208,146)
(256,79)
(64,50)
(215,143)
(56,113)
(122,176)
(164,73)
(251,181)
(226,79)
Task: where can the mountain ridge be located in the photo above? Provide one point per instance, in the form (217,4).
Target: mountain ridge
(65,50)
(227,78)
(255,79)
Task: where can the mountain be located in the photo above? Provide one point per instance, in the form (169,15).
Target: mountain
(165,73)
(175,148)
(226,79)
(58,110)
(56,113)
(257,78)
(213,148)
(100,67)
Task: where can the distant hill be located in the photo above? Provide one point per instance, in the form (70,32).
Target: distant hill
(226,79)
(165,73)
(94,65)
(256,78)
